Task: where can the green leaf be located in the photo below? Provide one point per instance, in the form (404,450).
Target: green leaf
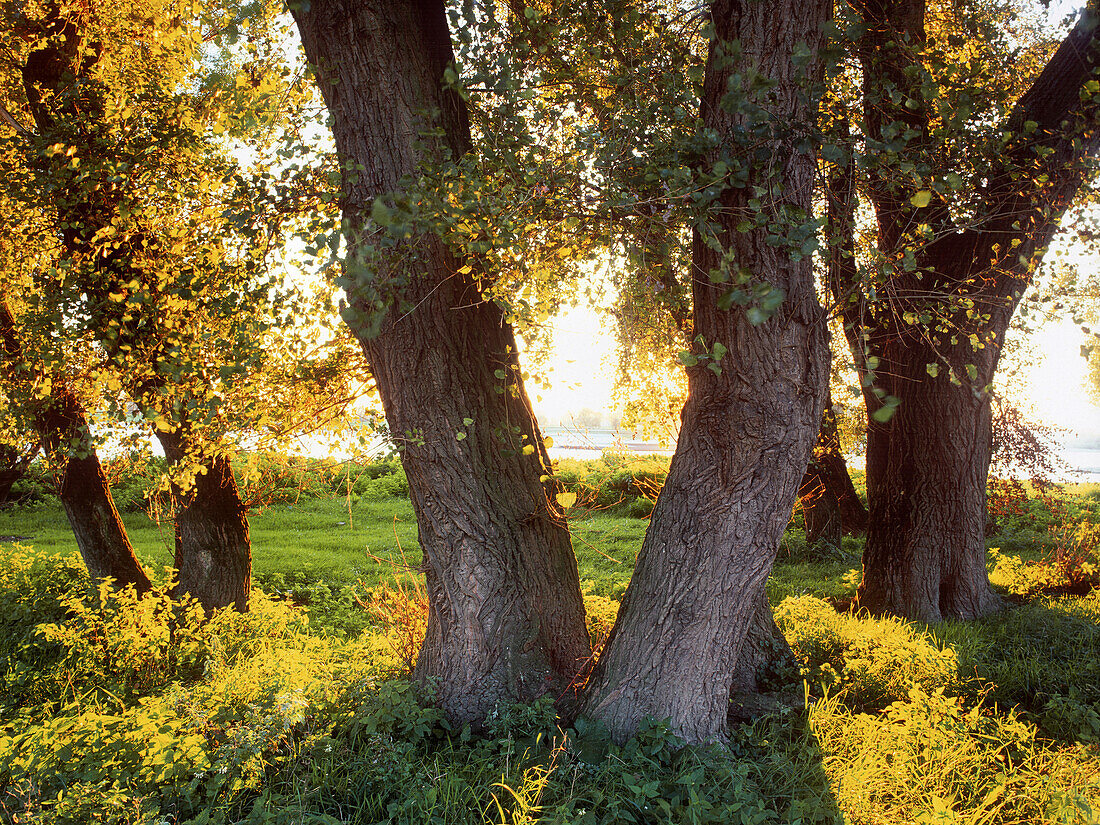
(932,369)
(921,199)
(883,414)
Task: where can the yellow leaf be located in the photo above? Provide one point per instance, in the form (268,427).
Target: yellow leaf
(566,500)
(921,199)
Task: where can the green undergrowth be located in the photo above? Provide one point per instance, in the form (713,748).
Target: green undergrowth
(116,709)
(125,710)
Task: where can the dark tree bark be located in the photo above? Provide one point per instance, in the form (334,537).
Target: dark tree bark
(60,422)
(677,649)
(506,618)
(927,466)
(13,466)
(213,548)
(830,504)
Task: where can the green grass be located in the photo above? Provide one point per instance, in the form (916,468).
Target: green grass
(111,714)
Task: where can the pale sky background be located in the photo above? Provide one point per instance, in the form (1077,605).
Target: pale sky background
(582,373)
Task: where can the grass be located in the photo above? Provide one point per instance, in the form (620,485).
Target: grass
(110,712)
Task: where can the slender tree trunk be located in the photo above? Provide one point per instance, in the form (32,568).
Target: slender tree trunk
(213,548)
(820,508)
(62,426)
(506,618)
(86,498)
(13,466)
(677,649)
(830,504)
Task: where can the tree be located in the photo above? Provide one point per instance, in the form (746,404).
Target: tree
(757,373)
(964,213)
(58,418)
(506,619)
(147,261)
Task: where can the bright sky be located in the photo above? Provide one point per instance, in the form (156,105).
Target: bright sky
(582,373)
(582,367)
(1055,383)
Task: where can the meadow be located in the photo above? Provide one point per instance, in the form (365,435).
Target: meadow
(125,710)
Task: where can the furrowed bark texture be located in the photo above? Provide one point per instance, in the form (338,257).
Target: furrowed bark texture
(676,649)
(506,618)
(213,547)
(927,466)
(61,423)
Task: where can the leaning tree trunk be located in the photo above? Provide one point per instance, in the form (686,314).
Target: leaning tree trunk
(213,549)
(62,426)
(677,649)
(86,497)
(506,618)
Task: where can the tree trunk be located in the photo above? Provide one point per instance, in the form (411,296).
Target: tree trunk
(213,549)
(677,649)
(925,556)
(506,618)
(820,508)
(13,466)
(931,335)
(830,504)
(85,495)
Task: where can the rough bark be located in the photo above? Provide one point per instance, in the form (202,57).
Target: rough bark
(676,650)
(213,548)
(62,426)
(927,466)
(506,618)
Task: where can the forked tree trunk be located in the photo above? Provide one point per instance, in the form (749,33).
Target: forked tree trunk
(62,426)
(677,650)
(213,548)
(927,467)
(506,618)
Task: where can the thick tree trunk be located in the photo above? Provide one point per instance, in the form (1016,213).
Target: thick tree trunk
(925,556)
(932,333)
(506,618)
(678,647)
(213,548)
